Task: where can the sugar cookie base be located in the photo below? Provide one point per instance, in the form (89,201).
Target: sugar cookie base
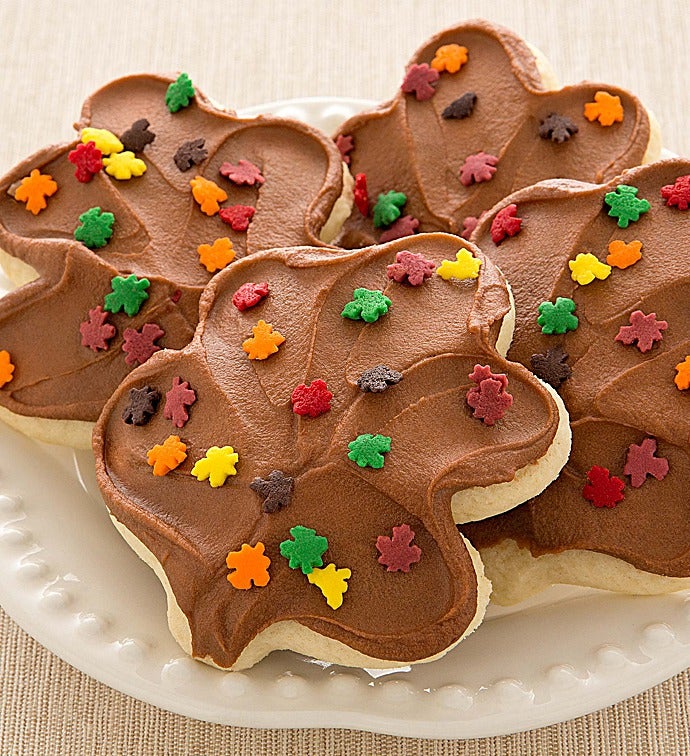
(341,210)
(290,635)
(516,575)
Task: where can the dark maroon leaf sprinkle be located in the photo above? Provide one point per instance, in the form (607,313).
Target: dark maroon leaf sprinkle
(378,379)
(142,406)
(557,128)
(552,366)
(139,345)
(177,400)
(137,136)
(190,153)
(462,107)
(276,490)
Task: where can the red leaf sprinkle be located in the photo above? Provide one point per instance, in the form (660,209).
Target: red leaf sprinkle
(244,173)
(489,400)
(399,229)
(397,553)
(345,143)
(418,80)
(603,489)
(506,223)
(411,268)
(139,345)
(249,295)
(482,372)
(95,332)
(361,194)
(641,462)
(678,193)
(478,168)
(87,159)
(312,400)
(177,400)
(645,329)
(237,216)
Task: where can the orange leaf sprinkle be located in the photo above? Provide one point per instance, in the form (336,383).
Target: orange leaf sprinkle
(622,255)
(6,368)
(208,194)
(167,456)
(264,343)
(217,255)
(449,58)
(250,565)
(34,189)
(682,380)
(606,109)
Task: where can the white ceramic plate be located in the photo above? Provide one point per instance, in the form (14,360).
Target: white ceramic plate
(70,581)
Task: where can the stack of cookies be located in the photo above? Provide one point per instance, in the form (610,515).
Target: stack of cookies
(347,389)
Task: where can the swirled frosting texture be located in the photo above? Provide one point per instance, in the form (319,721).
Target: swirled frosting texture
(433,335)
(617,395)
(408,146)
(158,227)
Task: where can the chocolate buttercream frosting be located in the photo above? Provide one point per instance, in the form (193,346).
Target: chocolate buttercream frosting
(157,229)
(625,393)
(433,335)
(473,136)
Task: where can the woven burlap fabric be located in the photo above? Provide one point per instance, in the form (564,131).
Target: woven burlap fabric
(52,54)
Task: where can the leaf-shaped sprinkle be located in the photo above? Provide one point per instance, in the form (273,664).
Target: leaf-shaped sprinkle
(96,331)
(678,193)
(250,565)
(606,109)
(245,173)
(388,208)
(276,490)
(167,456)
(478,168)
(603,489)
(332,582)
(216,256)
(552,367)
(306,550)
(264,342)
(312,400)
(207,194)
(418,81)
(367,304)
(625,205)
(643,329)
(124,165)
(96,228)
(586,267)
(179,94)
(378,379)
(558,317)
(137,136)
(34,189)
(411,268)
(398,553)
(142,405)
(558,128)
(190,153)
(87,160)
(177,400)
(368,450)
(217,465)
(642,461)
(139,346)
(127,294)
(465,266)
(6,368)
(450,58)
(505,223)
(462,107)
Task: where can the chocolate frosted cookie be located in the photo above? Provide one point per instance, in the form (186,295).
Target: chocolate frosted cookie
(475,119)
(116,234)
(601,280)
(294,474)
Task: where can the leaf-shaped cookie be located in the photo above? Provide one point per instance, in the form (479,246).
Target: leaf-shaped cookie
(426,460)
(629,415)
(482,132)
(95,227)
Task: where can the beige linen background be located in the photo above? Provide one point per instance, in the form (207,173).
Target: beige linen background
(53,53)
